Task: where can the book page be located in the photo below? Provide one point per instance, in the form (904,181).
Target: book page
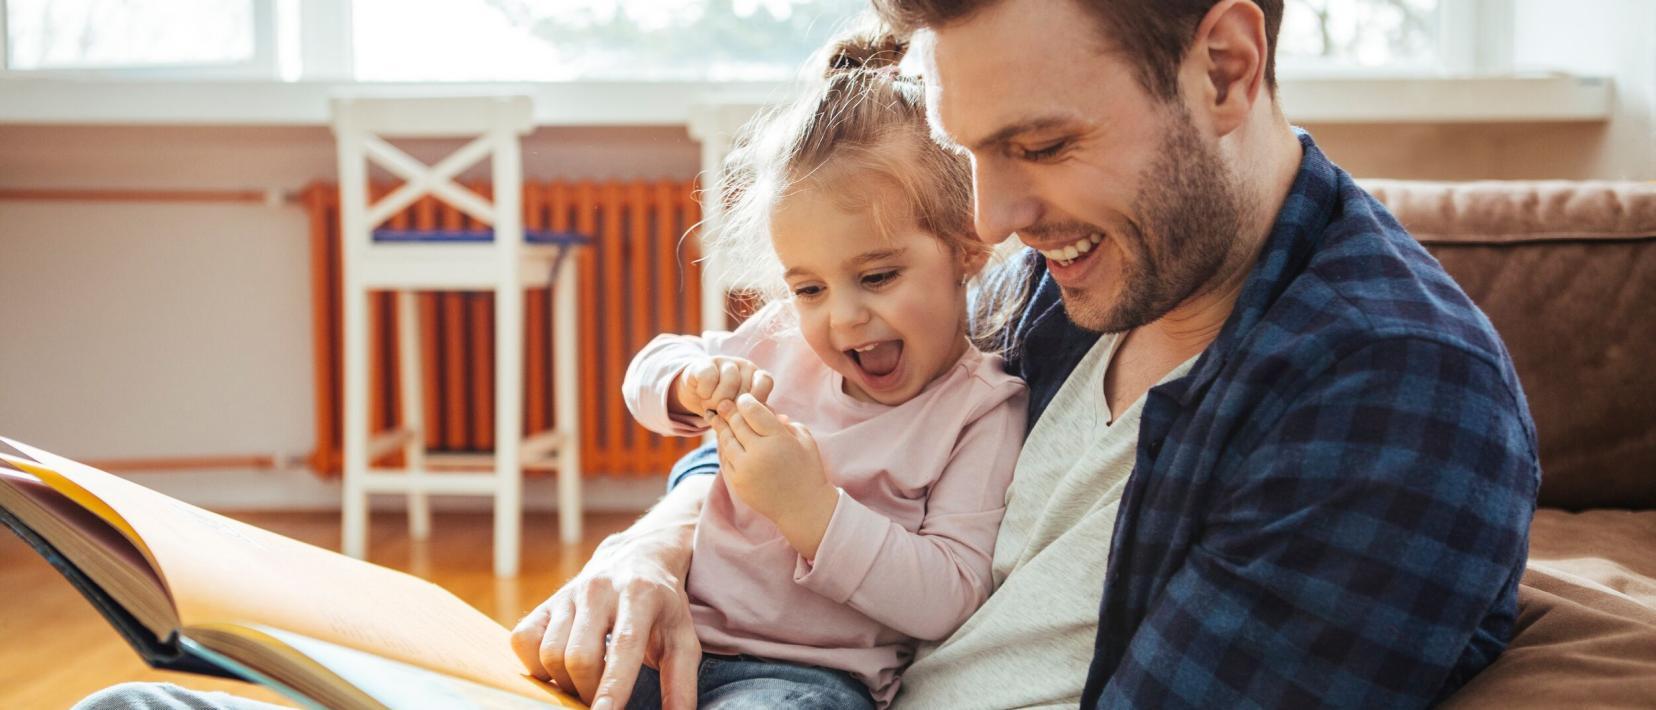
(222,570)
(97,549)
(392,684)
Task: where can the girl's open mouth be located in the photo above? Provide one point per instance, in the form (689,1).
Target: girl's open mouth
(878,362)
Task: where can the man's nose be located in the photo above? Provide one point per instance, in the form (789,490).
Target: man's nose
(1002,202)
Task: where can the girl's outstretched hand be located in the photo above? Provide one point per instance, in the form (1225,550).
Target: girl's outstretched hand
(702,385)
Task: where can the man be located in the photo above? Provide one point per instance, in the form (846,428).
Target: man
(1297,462)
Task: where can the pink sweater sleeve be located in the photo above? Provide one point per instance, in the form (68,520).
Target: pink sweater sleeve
(882,570)
(649,379)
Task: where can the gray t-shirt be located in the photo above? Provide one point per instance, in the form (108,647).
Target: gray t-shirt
(1031,643)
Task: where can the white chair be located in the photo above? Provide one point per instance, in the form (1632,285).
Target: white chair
(503,262)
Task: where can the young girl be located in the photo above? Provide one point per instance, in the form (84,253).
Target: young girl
(865,445)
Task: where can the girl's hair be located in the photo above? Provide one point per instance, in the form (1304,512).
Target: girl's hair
(860,132)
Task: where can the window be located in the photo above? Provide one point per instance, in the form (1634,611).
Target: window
(150,37)
(1365,33)
(620,40)
(1395,36)
(528,40)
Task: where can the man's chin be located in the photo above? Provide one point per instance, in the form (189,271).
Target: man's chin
(1096,312)
(1105,313)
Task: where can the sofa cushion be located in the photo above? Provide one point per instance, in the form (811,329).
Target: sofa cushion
(1567,273)
(1586,629)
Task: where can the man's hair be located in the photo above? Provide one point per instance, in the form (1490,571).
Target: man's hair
(1153,34)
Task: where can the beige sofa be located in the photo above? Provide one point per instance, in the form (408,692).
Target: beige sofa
(1567,272)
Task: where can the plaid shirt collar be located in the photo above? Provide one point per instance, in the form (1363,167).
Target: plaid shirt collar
(1294,237)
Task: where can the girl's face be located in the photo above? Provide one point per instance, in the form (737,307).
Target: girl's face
(887,311)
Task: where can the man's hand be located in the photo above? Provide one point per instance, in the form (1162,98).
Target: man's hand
(773,466)
(702,385)
(632,590)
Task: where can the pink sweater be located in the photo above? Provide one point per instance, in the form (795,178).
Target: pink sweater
(906,555)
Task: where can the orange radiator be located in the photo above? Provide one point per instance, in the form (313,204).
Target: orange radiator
(638,278)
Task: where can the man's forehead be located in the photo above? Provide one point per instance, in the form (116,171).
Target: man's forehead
(922,61)
(977,107)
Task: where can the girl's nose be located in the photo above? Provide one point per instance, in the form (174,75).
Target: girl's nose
(848,311)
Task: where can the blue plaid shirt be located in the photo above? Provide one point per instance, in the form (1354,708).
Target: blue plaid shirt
(1333,506)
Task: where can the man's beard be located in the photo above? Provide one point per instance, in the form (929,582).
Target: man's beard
(1191,215)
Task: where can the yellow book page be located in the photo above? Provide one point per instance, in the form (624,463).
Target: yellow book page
(80,496)
(223,570)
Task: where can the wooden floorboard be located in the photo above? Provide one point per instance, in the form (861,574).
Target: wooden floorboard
(56,649)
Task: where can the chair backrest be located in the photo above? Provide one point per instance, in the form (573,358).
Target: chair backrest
(494,125)
(1567,273)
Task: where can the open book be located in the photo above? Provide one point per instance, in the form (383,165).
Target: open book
(195,591)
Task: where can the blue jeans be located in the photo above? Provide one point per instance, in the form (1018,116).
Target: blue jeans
(745,682)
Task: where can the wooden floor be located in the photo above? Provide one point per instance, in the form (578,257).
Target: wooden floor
(56,649)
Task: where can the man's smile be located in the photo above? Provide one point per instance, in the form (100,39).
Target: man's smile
(1065,253)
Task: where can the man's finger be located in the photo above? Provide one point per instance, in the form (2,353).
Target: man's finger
(555,640)
(526,640)
(584,653)
(628,642)
(759,417)
(680,661)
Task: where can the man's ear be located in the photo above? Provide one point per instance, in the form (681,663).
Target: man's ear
(1228,59)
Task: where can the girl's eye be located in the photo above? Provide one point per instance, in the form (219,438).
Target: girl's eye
(879,278)
(808,292)
(1046,152)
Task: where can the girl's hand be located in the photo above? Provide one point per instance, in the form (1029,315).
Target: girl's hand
(701,386)
(773,466)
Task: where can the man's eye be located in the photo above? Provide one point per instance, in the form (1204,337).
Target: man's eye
(880,278)
(1046,152)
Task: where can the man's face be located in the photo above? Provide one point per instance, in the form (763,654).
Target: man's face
(1128,200)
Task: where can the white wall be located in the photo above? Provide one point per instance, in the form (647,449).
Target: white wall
(161,330)
(1613,38)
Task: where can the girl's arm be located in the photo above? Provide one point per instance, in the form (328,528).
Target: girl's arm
(923,583)
(926,583)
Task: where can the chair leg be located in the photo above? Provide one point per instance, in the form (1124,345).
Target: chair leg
(567,406)
(508,514)
(354,533)
(413,411)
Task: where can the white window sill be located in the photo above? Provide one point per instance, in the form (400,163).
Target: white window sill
(1331,99)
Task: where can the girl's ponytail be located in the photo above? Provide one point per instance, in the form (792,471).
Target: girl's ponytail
(859,132)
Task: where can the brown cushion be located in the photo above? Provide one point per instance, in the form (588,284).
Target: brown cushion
(1586,631)
(1567,273)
